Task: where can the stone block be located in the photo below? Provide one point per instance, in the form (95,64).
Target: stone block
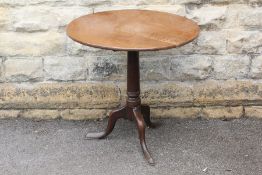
(12,3)
(38,114)
(2,70)
(209,16)
(75,49)
(65,68)
(31,44)
(244,15)
(175,9)
(66,14)
(23,69)
(50,2)
(58,95)
(156,69)
(120,6)
(83,114)
(253,111)
(94,3)
(6,114)
(140,2)
(192,67)
(208,42)
(186,1)
(230,67)
(227,93)
(4,16)
(222,112)
(166,94)
(256,67)
(245,42)
(30,19)
(190,112)
(107,68)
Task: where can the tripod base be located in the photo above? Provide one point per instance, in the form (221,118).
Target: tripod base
(141,114)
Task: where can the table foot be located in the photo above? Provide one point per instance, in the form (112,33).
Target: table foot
(141,130)
(141,114)
(145,110)
(113,117)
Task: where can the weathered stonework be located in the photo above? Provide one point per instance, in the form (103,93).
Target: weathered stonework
(190,112)
(230,67)
(256,67)
(46,75)
(155,68)
(31,44)
(227,93)
(222,112)
(107,68)
(23,69)
(4,13)
(253,111)
(83,114)
(37,114)
(58,95)
(244,16)
(244,42)
(193,67)
(5,114)
(30,19)
(65,68)
(209,15)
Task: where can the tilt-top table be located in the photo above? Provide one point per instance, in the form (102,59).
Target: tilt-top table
(132,31)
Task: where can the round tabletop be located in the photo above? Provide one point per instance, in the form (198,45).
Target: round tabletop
(133,30)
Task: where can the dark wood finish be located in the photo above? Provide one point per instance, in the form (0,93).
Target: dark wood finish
(132,31)
(133,110)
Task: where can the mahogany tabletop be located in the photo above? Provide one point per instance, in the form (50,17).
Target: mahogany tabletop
(133,30)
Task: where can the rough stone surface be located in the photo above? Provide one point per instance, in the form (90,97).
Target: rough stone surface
(40,114)
(253,111)
(244,42)
(191,112)
(107,68)
(30,19)
(65,68)
(165,94)
(256,67)
(193,67)
(222,112)
(58,95)
(83,114)
(13,3)
(227,93)
(230,67)
(155,68)
(244,15)
(5,114)
(4,12)
(34,44)
(176,9)
(208,42)
(43,69)
(211,42)
(186,1)
(23,69)
(209,15)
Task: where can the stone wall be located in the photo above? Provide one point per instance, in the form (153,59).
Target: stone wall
(45,75)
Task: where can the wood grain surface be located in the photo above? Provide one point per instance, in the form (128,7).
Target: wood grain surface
(133,30)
